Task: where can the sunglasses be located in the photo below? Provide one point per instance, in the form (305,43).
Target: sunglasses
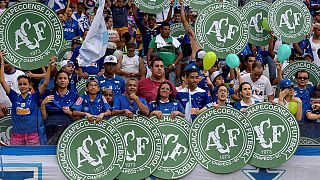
(303,78)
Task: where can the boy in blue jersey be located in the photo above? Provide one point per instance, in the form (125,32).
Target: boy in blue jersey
(313,115)
(91,105)
(109,79)
(24,107)
(130,104)
(192,97)
(303,92)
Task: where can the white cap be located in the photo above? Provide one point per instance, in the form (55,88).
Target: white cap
(200,54)
(110,59)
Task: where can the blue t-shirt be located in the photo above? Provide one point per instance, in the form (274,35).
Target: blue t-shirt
(117,84)
(70,29)
(24,112)
(56,116)
(73,82)
(94,67)
(166,107)
(312,126)
(305,96)
(122,102)
(97,106)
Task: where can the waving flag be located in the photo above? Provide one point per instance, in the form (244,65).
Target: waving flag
(56,5)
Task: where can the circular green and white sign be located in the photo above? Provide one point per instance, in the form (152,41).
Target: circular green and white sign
(64,49)
(152,6)
(277,134)
(222,28)
(5,128)
(91,151)
(30,33)
(198,5)
(290,20)
(81,86)
(143,143)
(177,159)
(314,71)
(177,30)
(222,140)
(255,11)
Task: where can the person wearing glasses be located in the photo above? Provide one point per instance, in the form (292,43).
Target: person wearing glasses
(91,105)
(24,107)
(129,103)
(303,91)
(286,96)
(109,79)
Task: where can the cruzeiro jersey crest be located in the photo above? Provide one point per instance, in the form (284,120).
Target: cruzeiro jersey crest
(222,28)
(91,151)
(30,33)
(277,134)
(222,140)
(177,159)
(143,143)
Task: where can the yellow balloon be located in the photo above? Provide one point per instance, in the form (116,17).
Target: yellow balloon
(293,107)
(209,59)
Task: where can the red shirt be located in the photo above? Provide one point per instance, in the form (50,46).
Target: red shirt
(148,89)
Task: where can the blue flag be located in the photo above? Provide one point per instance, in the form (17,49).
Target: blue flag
(56,5)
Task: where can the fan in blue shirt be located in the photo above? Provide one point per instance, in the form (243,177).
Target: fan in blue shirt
(192,97)
(130,104)
(92,105)
(109,79)
(245,91)
(165,103)
(24,107)
(313,115)
(55,108)
(70,27)
(303,92)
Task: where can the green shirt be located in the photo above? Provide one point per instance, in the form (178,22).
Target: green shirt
(167,52)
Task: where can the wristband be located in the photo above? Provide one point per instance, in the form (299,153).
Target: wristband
(174,66)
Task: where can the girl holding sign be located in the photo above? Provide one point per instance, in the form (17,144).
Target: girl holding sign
(24,107)
(165,103)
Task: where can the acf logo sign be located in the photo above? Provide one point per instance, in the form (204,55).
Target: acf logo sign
(314,71)
(30,33)
(91,151)
(177,160)
(255,11)
(222,28)
(153,6)
(277,134)
(222,140)
(5,128)
(198,5)
(177,30)
(290,20)
(143,144)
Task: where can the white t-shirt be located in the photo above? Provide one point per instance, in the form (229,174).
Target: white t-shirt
(130,65)
(315,48)
(11,80)
(260,88)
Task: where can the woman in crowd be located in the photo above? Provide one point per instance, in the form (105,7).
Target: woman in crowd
(245,91)
(165,103)
(92,104)
(24,107)
(55,108)
(286,96)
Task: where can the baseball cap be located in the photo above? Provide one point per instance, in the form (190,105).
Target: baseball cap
(110,59)
(65,63)
(285,83)
(92,79)
(200,54)
(215,75)
(306,54)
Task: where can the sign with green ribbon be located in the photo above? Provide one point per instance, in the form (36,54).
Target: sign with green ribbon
(91,151)
(222,28)
(30,33)
(314,71)
(152,6)
(5,128)
(290,20)
(255,11)
(143,144)
(177,160)
(222,140)
(277,134)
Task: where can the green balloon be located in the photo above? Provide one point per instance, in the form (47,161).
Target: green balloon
(265,24)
